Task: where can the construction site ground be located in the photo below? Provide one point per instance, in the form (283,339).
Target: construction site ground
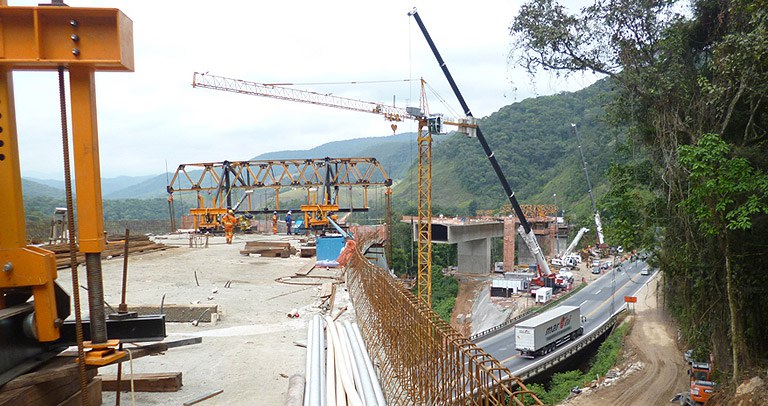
(253,349)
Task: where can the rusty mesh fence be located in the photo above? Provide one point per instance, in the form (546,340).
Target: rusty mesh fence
(421,359)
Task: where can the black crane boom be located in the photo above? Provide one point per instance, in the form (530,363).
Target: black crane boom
(486,148)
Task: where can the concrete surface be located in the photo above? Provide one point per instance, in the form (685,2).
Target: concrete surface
(250,352)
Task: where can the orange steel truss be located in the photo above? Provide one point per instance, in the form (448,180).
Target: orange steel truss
(422,360)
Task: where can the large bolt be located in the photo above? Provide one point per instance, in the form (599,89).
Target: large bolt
(73,23)
(8,267)
(75,37)
(75,52)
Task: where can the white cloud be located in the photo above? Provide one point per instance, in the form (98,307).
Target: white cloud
(153,114)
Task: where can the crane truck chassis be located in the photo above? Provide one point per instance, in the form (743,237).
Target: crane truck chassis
(701,385)
(544,333)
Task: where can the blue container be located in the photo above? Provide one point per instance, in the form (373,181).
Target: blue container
(329,248)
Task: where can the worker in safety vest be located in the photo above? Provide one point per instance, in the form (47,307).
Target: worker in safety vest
(274,222)
(229,221)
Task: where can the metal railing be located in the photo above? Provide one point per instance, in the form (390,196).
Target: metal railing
(567,351)
(421,359)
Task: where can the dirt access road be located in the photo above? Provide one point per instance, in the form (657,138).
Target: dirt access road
(651,342)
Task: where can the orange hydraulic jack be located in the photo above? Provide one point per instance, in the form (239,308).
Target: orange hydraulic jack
(83,41)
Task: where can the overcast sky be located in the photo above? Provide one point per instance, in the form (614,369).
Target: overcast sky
(153,115)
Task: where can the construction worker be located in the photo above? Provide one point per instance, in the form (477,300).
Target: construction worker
(274,222)
(229,221)
(288,222)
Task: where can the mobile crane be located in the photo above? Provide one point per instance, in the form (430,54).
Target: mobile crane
(433,124)
(598,222)
(546,276)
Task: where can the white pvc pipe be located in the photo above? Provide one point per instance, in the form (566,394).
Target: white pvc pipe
(308,371)
(350,357)
(321,363)
(330,370)
(379,394)
(341,396)
(362,369)
(316,378)
(344,369)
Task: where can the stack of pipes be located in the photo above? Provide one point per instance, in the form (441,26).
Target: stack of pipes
(339,369)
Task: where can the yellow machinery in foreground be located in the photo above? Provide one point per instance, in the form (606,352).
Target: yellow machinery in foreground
(80,41)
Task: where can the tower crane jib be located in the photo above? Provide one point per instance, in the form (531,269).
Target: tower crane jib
(391,113)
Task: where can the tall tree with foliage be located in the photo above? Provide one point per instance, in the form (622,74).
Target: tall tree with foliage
(725,194)
(683,69)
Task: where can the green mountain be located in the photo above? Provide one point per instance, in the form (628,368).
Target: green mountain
(31,188)
(537,150)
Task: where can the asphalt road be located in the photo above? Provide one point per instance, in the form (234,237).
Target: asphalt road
(598,302)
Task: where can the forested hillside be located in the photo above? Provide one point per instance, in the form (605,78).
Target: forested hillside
(537,150)
(692,184)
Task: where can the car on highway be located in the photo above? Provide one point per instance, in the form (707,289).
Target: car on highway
(645,271)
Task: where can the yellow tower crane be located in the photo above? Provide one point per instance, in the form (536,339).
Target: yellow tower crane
(433,124)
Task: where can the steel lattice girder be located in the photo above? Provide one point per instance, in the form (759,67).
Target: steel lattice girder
(304,173)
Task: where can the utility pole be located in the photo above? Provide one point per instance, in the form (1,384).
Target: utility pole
(557,227)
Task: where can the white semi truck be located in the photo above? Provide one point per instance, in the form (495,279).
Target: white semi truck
(542,334)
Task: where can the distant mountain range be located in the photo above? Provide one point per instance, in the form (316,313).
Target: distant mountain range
(394,152)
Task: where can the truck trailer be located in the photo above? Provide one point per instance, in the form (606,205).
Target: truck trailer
(542,334)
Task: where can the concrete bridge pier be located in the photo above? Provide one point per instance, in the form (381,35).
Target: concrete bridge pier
(474,256)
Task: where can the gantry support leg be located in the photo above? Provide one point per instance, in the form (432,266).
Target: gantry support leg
(90,219)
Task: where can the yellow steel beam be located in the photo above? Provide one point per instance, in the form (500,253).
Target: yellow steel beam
(44,38)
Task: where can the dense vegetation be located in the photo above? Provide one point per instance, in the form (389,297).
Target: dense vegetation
(692,183)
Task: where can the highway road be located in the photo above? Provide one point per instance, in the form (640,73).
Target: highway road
(598,301)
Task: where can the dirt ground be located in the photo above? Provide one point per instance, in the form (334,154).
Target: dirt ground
(651,345)
(251,352)
(461,319)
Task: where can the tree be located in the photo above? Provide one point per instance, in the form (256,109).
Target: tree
(681,70)
(725,194)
